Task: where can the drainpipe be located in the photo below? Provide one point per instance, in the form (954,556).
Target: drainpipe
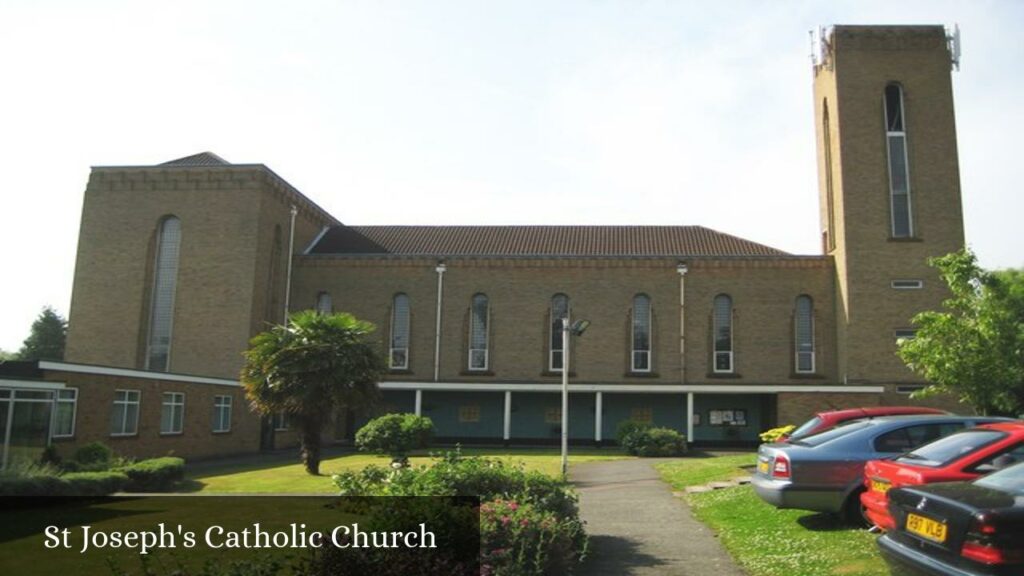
(288,277)
(682,269)
(437,331)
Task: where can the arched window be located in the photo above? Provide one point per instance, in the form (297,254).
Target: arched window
(165,281)
(641,357)
(559,310)
(323,303)
(826,130)
(899,170)
(479,320)
(804,331)
(723,361)
(400,332)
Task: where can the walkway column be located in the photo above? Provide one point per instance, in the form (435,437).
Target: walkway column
(507,433)
(597,416)
(689,417)
(419,402)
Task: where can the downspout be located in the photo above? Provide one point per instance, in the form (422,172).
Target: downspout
(437,330)
(682,269)
(288,276)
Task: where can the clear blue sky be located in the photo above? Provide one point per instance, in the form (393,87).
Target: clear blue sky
(446,112)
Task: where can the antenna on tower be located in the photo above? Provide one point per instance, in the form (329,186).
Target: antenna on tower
(954,46)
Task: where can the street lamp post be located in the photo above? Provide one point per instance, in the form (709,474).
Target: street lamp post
(576,329)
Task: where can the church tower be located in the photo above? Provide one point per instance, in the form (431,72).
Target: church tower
(889,185)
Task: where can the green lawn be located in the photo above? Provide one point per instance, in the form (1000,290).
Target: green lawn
(696,471)
(767,541)
(290,478)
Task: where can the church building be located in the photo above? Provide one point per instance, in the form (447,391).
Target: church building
(179,264)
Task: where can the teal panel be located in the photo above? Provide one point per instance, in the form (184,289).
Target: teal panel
(532,410)
(391,402)
(751,404)
(443,408)
(666,410)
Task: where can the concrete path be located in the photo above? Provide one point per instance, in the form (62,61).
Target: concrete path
(638,528)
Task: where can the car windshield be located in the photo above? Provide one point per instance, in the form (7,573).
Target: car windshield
(1009,480)
(950,448)
(805,428)
(832,433)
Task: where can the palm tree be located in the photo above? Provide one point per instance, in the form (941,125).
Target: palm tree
(309,368)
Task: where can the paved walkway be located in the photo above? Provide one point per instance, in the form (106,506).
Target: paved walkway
(638,528)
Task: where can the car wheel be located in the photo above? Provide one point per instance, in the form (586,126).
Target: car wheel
(853,512)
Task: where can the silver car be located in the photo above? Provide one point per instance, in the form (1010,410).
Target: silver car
(824,472)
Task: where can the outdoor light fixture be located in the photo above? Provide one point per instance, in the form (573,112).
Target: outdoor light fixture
(576,329)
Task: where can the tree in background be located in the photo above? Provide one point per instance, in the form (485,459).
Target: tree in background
(46,338)
(308,369)
(5,355)
(975,348)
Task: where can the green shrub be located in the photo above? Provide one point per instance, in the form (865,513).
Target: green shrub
(774,434)
(521,539)
(153,475)
(395,435)
(94,483)
(654,442)
(628,433)
(94,456)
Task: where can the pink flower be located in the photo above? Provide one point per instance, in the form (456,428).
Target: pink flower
(505,520)
(513,505)
(524,522)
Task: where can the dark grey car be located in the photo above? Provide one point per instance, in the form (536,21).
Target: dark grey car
(825,472)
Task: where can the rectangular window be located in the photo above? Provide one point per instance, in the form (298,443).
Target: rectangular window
(722,319)
(909,388)
(222,413)
(641,358)
(64,415)
(281,422)
(172,413)
(399,355)
(899,173)
(642,414)
(907,284)
(124,419)
(469,413)
(905,333)
(478,336)
(553,415)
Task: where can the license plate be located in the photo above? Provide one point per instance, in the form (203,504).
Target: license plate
(880,486)
(762,467)
(926,528)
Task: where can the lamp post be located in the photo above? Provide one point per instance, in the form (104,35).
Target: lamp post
(576,329)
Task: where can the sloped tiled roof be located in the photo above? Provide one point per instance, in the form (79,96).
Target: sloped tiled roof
(536,241)
(201,159)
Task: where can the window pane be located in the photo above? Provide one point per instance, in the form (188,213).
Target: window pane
(641,323)
(323,303)
(723,323)
(893,109)
(132,421)
(400,322)
(64,419)
(117,419)
(478,328)
(164,283)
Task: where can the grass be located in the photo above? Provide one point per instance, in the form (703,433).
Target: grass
(697,471)
(766,541)
(770,542)
(280,477)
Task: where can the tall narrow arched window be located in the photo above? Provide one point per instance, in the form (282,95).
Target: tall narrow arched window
(165,281)
(804,331)
(559,310)
(723,352)
(323,303)
(899,170)
(826,131)
(479,320)
(400,332)
(641,357)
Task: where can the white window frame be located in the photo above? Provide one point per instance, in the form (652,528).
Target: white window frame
(650,337)
(128,405)
(553,331)
(798,353)
(484,352)
(889,136)
(905,333)
(281,422)
(56,408)
(222,403)
(714,339)
(907,284)
(392,349)
(176,400)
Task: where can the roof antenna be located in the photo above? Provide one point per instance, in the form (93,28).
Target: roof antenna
(953,40)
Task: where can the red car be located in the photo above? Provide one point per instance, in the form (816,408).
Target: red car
(961,456)
(824,420)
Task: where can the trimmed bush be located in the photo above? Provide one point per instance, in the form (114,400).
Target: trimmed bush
(628,432)
(395,435)
(153,475)
(94,483)
(655,442)
(94,455)
(774,434)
